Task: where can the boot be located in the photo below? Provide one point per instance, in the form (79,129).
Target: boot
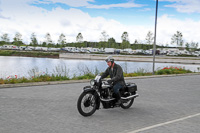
(118,99)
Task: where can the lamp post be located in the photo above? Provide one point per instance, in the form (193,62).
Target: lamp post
(154,45)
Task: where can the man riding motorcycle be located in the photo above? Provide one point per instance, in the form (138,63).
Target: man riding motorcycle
(116,74)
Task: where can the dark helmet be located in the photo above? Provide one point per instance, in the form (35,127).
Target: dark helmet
(109,58)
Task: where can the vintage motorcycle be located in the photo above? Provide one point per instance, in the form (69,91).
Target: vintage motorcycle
(100,91)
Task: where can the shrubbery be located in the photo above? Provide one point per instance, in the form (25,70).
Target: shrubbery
(62,75)
(172,70)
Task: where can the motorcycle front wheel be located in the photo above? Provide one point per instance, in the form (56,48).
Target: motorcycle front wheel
(86,104)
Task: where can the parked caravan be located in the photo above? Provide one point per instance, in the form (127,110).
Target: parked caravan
(110,50)
(10,47)
(54,49)
(22,47)
(30,48)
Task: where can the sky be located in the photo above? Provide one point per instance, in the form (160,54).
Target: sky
(92,17)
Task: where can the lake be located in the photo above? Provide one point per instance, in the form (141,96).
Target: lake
(28,66)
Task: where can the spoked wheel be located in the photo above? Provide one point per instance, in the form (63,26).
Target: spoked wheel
(86,104)
(127,103)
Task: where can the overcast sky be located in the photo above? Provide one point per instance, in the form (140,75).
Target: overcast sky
(91,17)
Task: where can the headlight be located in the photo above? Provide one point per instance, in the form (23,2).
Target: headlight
(92,82)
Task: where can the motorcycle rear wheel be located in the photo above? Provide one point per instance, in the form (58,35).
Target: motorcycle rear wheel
(86,104)
(127,104)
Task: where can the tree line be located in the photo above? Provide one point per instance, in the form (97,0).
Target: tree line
(104,42)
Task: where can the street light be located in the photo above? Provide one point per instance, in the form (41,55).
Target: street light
(154,46)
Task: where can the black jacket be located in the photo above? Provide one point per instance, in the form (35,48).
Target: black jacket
(116,75)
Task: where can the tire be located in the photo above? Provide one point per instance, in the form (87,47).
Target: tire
(86,104)
(127,103)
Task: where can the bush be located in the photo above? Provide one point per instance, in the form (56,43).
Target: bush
(2,81)
(172,70)
(85,76)
(139,72)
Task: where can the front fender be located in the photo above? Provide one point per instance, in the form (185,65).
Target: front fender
(90,89)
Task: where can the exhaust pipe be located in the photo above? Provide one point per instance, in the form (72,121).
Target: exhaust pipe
(129,97)
(107,100)
(123,98)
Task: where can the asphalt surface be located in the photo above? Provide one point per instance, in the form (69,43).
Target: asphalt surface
(165,105)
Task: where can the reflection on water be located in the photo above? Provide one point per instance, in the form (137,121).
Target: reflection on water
(21,66)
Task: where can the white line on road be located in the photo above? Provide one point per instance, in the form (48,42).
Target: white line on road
(165,123)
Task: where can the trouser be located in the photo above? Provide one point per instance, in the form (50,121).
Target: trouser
(116,88)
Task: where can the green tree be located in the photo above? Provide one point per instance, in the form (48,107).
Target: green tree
(112,43)
(79,38)
(125,40)
(177,39)
(104,39)
(149,38)
(34,41)
(62,39)
(191,46)
(17,39)
(104,36)
(136,41)
(187,46)
(194,45)
(5,38)
(48,40)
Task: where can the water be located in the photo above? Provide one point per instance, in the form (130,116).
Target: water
(23,66)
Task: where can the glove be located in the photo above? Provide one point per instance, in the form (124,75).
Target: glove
(109,81)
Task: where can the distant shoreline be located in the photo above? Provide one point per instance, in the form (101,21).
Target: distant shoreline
(29,54)
(79,56)
(132,58)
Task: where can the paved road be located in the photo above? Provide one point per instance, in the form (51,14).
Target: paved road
(165,105)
